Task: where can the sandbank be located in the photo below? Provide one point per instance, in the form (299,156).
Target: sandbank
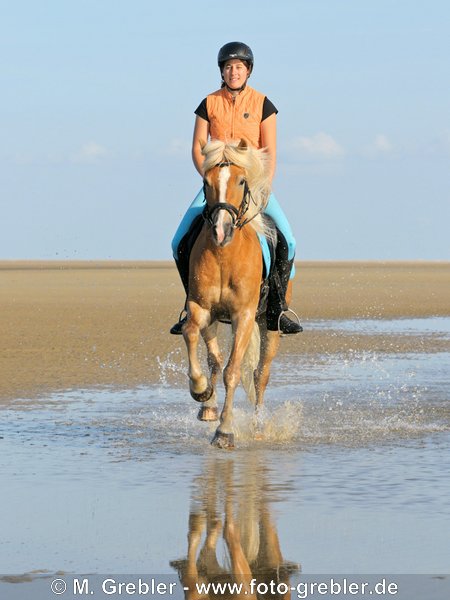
(81,324)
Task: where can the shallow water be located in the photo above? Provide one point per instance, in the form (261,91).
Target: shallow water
(352,475)
(418,326)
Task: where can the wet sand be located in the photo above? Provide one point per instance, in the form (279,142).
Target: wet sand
(83,324)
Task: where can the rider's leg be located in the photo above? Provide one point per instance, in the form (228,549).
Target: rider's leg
(274,210)
(181,246)
(193,211)
(283,271)
(278,283)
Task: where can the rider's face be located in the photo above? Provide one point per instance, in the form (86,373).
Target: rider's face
(235,73)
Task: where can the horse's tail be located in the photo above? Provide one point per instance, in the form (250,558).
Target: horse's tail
(250,363)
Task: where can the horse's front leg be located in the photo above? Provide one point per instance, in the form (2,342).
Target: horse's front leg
(198,319)
(208,411)
(242,330)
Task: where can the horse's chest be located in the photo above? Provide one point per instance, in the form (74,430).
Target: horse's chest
(233,292)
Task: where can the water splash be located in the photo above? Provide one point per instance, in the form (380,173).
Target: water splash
(172,367)
(274,425)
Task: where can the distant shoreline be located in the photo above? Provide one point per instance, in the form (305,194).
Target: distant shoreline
(12,264)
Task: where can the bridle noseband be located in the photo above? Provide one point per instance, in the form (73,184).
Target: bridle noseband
(236,214)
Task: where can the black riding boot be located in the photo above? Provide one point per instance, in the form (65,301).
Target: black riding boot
(278,283)
(183,269)
(182,262)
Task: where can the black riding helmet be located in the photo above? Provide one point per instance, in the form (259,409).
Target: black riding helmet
(235,50)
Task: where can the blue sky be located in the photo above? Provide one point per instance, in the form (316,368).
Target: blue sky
(96,115)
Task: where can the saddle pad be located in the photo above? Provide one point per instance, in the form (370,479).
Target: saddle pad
(267,253)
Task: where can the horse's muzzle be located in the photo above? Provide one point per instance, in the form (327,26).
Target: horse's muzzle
(222,218)
(222,233)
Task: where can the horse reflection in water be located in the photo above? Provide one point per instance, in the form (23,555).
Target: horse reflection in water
(230,505)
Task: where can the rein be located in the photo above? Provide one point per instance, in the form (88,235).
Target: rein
(236,214)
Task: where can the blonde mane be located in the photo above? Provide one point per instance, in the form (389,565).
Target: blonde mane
(255,163)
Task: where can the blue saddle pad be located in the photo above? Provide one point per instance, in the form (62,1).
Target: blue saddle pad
(267,255)
(268,252)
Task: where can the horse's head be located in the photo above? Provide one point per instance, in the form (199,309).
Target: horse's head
(227,197)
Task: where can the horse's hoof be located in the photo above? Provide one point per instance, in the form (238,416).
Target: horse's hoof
(208,413)
(258,436)
(224,441)
(203,396)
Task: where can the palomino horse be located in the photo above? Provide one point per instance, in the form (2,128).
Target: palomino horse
(226,268)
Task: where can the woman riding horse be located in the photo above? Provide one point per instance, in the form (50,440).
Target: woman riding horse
(234,112)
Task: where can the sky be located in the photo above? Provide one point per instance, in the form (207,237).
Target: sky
(97,101)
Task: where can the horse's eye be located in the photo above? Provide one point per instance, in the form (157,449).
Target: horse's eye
(242,182)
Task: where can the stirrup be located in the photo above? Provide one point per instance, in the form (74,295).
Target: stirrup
(177,328)
(288,310)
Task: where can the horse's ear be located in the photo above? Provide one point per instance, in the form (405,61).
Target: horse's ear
(243,144)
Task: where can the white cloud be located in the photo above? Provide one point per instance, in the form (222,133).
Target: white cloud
(380,145)
(320,145)
(89,152)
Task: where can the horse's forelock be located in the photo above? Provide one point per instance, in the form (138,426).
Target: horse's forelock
(213,152)
(254,161)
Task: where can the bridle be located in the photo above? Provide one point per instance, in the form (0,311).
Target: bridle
(237,214)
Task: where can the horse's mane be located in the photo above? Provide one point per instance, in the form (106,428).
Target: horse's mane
(255,163)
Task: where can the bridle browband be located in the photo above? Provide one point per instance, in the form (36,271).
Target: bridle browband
(236,214)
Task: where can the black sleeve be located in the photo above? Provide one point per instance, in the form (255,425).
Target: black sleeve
(202,111)
(268,109)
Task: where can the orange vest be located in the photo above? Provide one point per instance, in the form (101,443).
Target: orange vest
(234,117)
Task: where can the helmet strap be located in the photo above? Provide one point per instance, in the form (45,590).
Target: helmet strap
(235,90)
